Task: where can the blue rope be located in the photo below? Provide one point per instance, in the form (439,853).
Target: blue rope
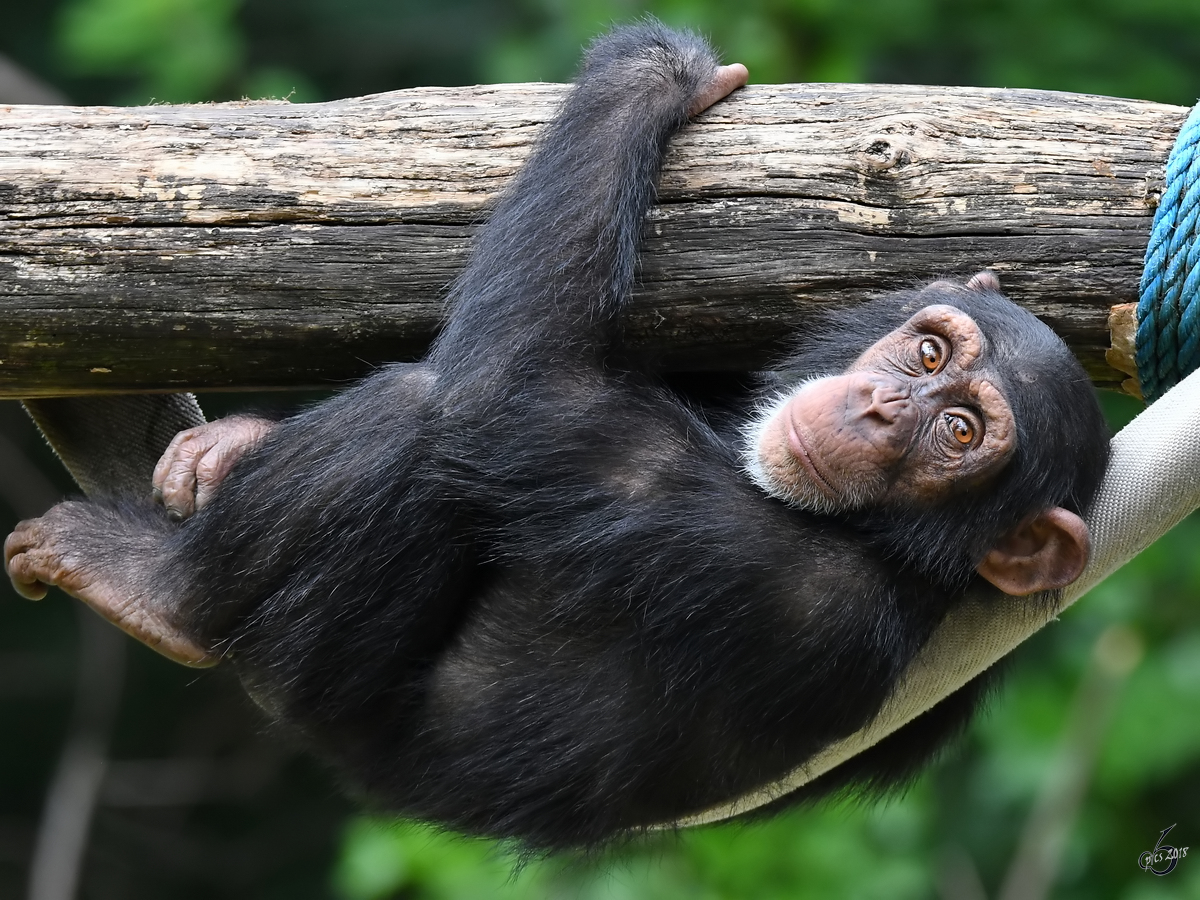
(1168,313)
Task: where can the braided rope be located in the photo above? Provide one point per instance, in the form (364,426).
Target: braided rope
(1168,334)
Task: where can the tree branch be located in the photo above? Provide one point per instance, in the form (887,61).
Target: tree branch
(269,244)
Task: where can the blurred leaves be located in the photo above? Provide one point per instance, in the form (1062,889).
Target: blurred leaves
(174,50)
(1146,50)
(171,51)
(810,855)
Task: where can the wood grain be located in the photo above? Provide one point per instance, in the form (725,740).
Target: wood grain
(266,244)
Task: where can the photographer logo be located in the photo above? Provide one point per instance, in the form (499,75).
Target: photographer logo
(1163,859)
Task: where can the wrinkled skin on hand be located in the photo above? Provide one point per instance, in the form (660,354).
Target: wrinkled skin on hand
(198,459)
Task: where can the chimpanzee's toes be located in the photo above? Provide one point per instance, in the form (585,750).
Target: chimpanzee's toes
(52,551)
(32,563)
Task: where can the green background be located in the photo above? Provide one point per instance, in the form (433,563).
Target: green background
(1090,750)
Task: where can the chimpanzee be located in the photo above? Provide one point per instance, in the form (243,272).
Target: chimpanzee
(530,589)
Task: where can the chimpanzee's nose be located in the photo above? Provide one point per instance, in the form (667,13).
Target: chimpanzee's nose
(883,413)
(881,399)
(888,403)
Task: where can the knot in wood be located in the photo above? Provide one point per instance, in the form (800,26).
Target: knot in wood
(884,152)
(1156,181)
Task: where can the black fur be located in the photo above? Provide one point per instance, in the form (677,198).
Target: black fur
(527,589)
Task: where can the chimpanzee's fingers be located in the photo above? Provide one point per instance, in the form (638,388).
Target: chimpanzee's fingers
(235,436)
(178,487)
(215,464)
(162,468)
(725,81)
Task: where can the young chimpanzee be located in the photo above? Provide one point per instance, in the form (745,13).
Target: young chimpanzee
(526,589)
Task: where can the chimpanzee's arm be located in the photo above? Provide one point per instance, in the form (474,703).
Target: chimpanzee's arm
(552,268)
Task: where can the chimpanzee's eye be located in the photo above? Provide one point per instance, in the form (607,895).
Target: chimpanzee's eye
(961,428)
(931,354)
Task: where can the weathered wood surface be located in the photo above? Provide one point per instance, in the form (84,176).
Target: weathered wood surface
(271,244)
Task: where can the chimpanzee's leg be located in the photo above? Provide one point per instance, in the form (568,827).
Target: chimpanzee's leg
(178,588)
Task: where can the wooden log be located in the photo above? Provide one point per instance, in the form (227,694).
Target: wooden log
(266,244)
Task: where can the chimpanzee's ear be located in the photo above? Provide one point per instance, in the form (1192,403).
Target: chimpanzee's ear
(1044,553)
(987,280)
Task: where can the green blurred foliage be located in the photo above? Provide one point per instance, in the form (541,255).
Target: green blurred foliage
(172,50)
(800,856)
(179,50)
(955,832)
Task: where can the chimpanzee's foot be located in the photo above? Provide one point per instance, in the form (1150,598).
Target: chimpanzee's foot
(41,553)
(725,81)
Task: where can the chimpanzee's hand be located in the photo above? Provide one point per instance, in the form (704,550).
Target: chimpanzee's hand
(726,80)
(197,461)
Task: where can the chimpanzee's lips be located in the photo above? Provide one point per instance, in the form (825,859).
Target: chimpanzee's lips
(801,451)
